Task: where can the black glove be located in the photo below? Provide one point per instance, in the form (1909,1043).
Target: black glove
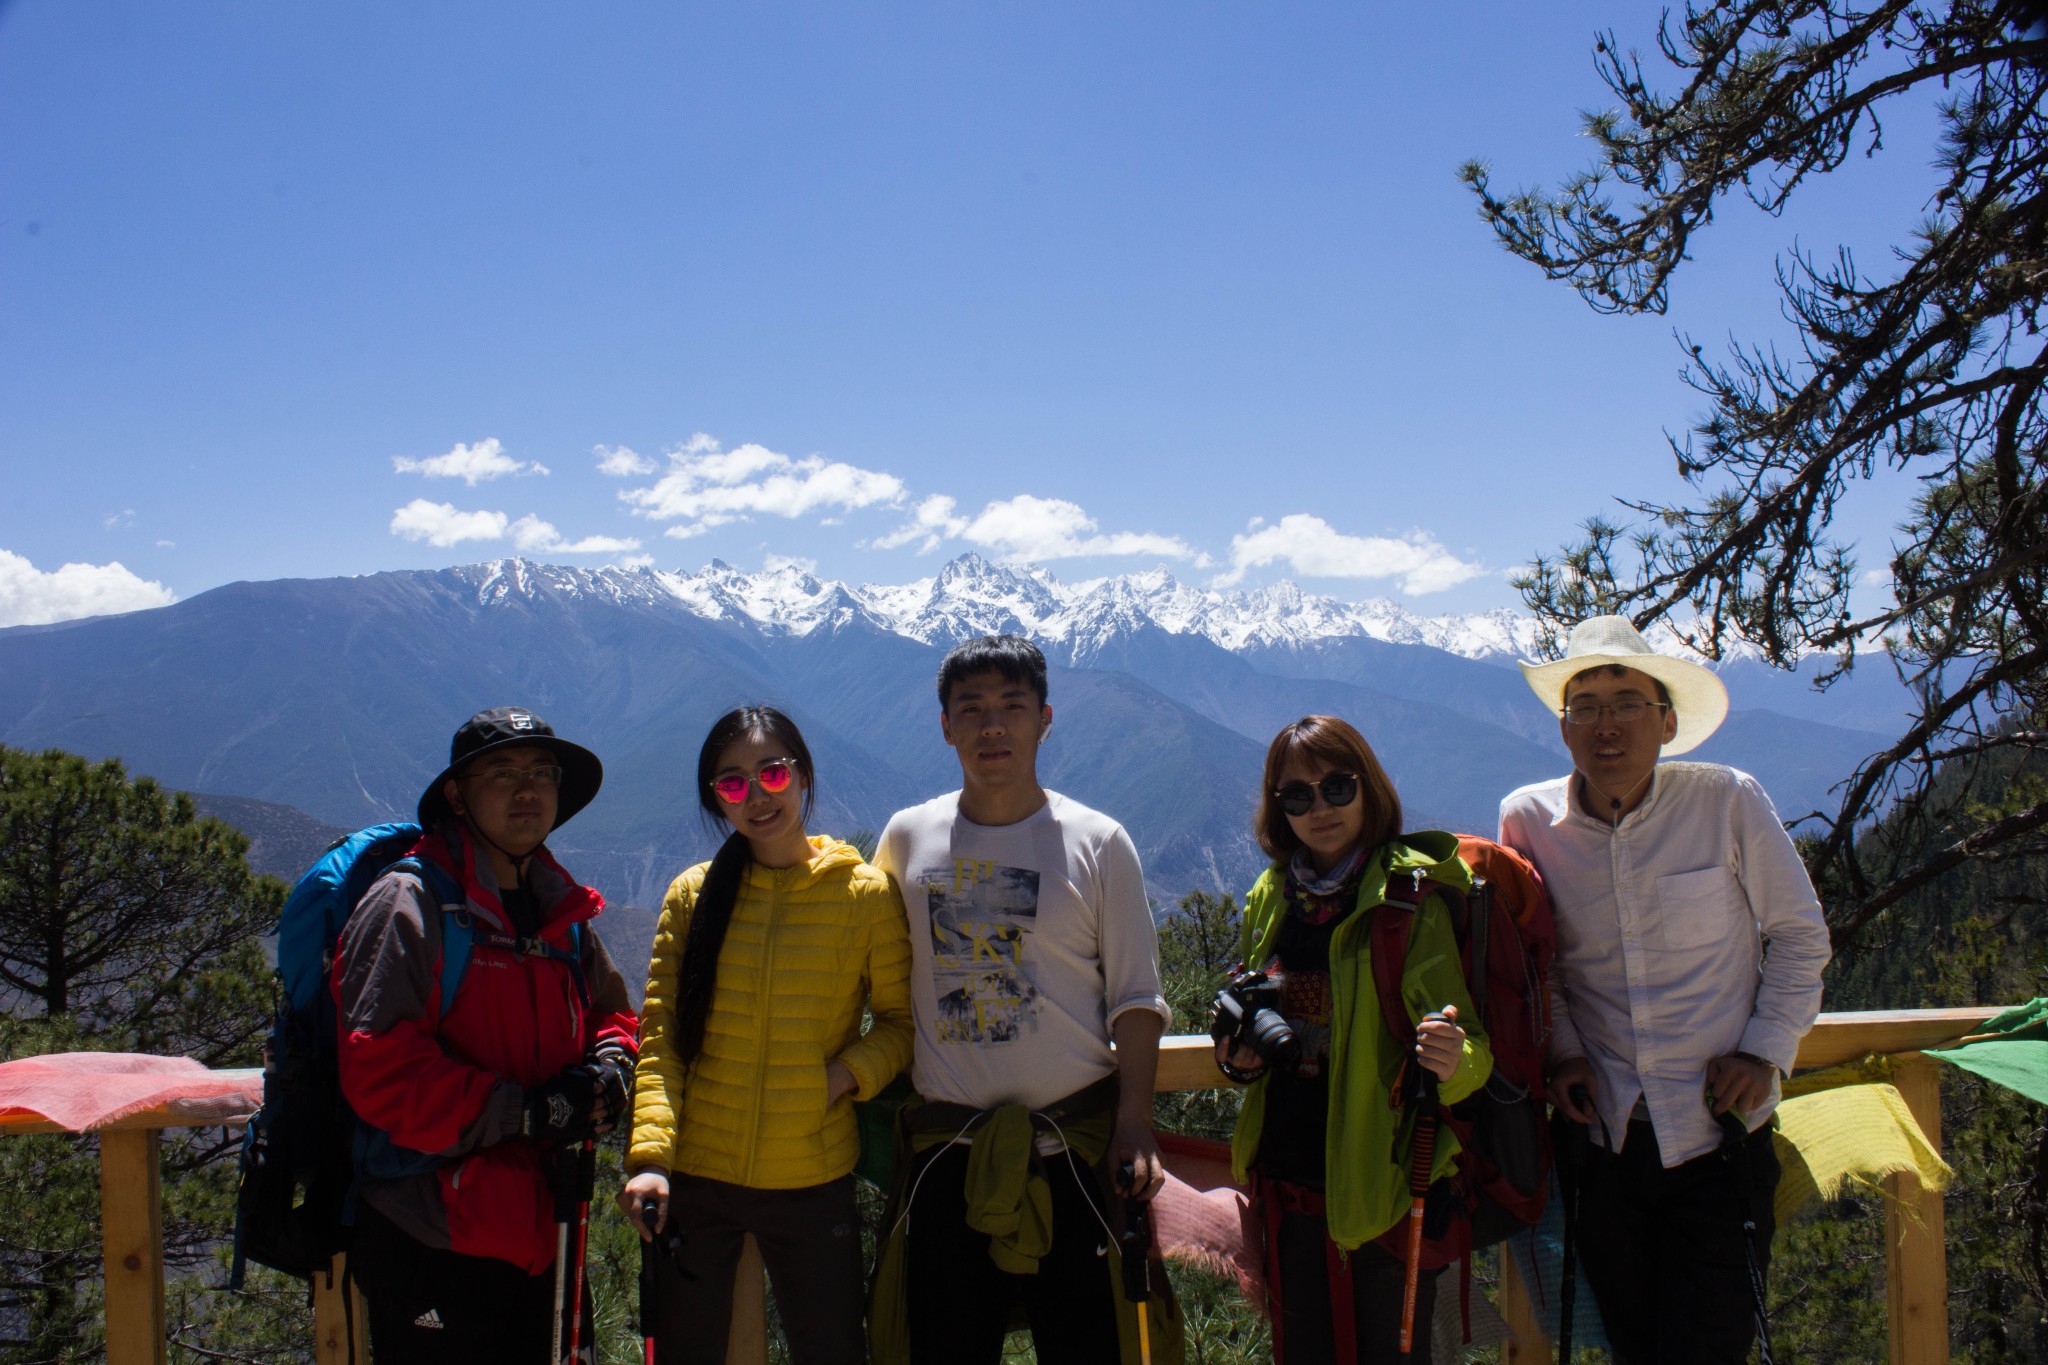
(613,1071)
(558,1110)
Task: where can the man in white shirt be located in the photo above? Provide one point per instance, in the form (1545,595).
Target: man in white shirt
(1689,955)
(1032,949)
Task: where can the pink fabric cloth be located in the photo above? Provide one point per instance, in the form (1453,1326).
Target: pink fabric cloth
(1201,1215)
(84,1090)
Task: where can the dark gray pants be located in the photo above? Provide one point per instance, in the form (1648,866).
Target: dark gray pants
(810,1242)
(1663,1248)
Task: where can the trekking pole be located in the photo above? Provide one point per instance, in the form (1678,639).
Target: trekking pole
(1134,1247)
(586,1186)
(1568,1283)
(650,1288)
(1422,1162)
(1735,1150)
(564,1182)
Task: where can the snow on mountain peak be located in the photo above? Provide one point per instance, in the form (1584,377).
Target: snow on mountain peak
(972,596)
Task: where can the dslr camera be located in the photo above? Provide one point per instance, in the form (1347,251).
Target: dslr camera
(1248,1013)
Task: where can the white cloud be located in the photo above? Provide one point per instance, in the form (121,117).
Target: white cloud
(932,522)
(472,464)
(116,520)
(29,597)
(775,563)
(707,487)
(635,561)
(620,462)
(439,523)
(1028,529)
(1315,549)
(531,535)
(167,545)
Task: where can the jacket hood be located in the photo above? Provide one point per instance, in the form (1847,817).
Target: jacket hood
(1431,852)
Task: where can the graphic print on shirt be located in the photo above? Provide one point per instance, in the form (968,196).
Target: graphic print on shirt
(982,915)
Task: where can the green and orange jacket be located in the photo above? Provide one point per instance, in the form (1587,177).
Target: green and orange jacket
(807,948)
(1367,1143)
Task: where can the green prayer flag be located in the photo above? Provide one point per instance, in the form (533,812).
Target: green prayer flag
(2017,1058)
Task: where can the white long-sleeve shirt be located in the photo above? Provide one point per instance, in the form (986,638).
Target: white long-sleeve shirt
(1661,926)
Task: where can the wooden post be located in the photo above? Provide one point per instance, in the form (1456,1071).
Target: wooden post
(132,1238)
(333,1332)
(748,1344)
(1528,1342)
(1915,1227)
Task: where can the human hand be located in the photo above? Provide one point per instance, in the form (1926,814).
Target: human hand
(1440,1043)
(644,1187)
(839,1081)
(1233,1055)
(562,1111)
(1570,1080)
(1739,1083)
(612,1069)
(1132,1147)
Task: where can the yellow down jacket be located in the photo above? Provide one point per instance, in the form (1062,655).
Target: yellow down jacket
(807,947)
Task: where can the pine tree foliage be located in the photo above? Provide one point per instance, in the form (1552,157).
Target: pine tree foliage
(128,924)
(1933,366)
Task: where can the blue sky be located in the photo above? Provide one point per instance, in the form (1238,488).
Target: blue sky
(313,289)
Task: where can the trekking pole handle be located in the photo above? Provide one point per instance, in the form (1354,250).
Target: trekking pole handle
(1134,1244)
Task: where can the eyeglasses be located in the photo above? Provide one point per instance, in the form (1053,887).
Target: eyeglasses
(512,779)
(1339,789)
(1624,712)
(773,777)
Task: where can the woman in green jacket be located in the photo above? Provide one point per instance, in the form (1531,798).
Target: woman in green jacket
(1324,1148)
(751,1054)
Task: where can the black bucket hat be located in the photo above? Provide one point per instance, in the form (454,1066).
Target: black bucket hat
(509,727)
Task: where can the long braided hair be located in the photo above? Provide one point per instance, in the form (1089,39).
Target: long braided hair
(697,976)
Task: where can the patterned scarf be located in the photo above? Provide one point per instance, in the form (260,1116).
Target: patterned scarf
(1318,898)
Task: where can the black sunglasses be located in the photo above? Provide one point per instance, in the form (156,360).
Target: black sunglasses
(1339,789)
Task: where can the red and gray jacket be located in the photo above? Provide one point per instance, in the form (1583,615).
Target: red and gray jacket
(446,1079)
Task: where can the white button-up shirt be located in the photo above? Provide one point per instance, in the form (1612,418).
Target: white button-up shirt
(1661,926)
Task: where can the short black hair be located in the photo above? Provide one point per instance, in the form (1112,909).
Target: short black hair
(1013,656)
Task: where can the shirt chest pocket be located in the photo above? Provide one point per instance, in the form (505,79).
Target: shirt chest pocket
(1700,909)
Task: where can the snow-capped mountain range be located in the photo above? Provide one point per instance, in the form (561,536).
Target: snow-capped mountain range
(336,697)
(970,596)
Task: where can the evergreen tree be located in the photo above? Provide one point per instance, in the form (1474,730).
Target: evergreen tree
(127,923)
(1935,369)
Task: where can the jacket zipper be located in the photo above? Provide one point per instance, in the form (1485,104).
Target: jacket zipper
(761,1035)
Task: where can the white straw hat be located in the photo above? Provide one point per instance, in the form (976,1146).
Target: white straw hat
(1696,694)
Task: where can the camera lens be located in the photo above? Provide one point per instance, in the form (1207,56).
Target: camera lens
(1270,1036)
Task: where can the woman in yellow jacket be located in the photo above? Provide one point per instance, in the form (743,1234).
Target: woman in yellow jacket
(751,1053)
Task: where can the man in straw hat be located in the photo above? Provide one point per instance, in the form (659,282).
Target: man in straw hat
(1669,880)
(464,1101)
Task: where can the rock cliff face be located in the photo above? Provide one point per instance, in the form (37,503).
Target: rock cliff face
(337,697)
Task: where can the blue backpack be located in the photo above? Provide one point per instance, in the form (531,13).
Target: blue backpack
(302,1147)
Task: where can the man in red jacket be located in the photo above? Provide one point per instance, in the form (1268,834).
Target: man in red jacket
(467,1104)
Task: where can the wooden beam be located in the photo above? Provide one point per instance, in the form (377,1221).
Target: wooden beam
(337,1340)
(1853,1035)
(1188,1062)
(1528,1342)
(748,1344)
(132,1241)
(1915,1229)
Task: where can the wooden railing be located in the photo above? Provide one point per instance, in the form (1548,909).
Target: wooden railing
(1916,1265)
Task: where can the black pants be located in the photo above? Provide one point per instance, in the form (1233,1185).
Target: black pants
(960,1302)
(810,1243)
(1663,1248)
(431,1307)
(1379,1280)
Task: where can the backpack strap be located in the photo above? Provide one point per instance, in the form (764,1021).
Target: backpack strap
(460,933)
